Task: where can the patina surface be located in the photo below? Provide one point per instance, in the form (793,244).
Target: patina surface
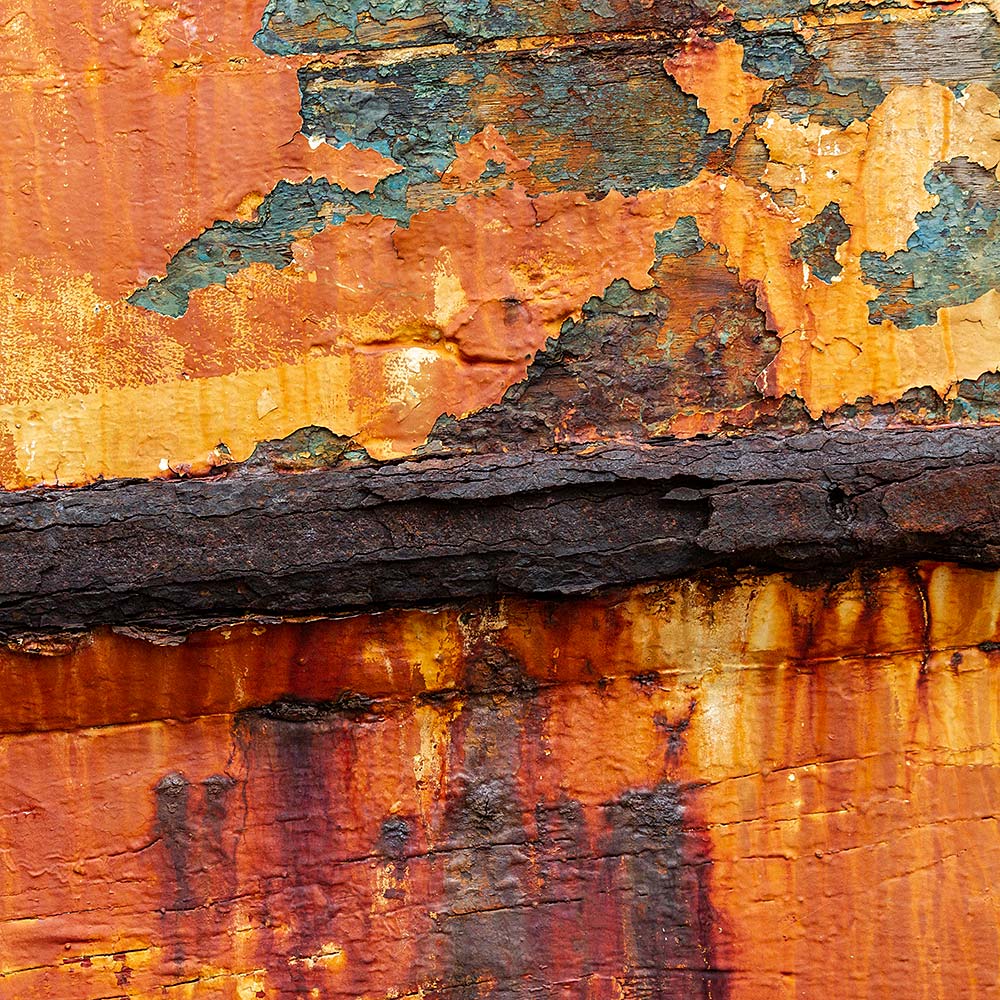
(497,499)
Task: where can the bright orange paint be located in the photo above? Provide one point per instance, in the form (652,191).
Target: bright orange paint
(837,743)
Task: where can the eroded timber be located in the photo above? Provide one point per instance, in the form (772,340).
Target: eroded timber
(357,534)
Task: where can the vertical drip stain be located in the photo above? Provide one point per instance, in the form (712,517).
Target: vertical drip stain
(659,794)
(293,757)
(173,793)
(195,830)
(660,874)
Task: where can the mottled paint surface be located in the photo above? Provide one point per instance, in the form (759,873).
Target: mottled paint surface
(224,223)
(307,229)
(748,788)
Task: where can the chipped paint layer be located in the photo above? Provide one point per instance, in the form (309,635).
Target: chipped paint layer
(405,229)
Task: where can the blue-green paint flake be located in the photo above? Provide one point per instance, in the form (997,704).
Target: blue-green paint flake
(290,212)
(682,240)
(292,27)
(590,119)
(817,245)
(587,122)
(584,123)
(951,259)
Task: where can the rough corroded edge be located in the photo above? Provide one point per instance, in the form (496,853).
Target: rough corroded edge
(171,554)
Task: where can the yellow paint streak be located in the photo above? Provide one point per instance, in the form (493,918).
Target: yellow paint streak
(713,73)
(430,764)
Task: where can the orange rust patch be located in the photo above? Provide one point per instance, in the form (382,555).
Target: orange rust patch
(374,331)
(790,752)
(713,73)
(112,164)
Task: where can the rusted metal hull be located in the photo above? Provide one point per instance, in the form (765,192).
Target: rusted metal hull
(540,342)
(755,787)
(764,214)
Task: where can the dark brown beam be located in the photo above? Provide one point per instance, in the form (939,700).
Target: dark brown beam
(175,553)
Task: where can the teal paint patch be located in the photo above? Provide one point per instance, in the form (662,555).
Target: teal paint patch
(307,448)
(776,53)
(804,84)
(289,212)
(766,10)
(817,245)
(682,240)
(493,168)
(588,121)
(977,400)
(410,112)
(951,259)
(296,27)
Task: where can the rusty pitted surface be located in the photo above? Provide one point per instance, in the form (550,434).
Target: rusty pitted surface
(357,535)
(766,787)
(498,500)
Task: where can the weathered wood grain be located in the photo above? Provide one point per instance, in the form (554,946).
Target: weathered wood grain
(263,542)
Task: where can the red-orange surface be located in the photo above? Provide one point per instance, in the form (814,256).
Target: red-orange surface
(751,789)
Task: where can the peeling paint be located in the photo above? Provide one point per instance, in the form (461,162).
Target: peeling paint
(951,259)
(466,198)
(820,240)
(318,26)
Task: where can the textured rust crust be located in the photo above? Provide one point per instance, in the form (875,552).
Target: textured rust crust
(259,541)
